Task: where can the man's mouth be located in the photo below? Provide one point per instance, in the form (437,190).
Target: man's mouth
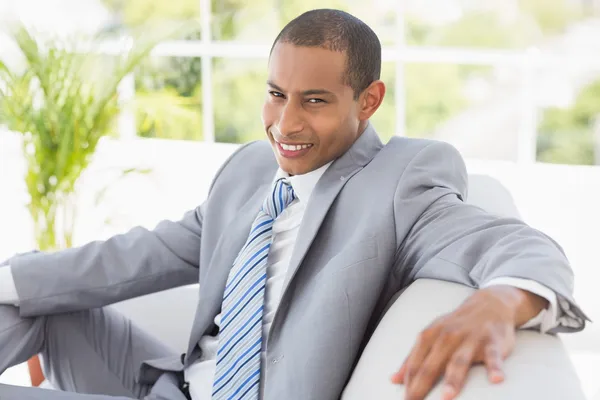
(294,147)
(289,150)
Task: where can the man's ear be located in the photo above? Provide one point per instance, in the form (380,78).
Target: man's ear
(370,99)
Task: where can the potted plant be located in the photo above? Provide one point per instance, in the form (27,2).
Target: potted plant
(62,97)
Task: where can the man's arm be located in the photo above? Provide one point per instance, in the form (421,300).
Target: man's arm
(459,242)
(455,241)
(125,266)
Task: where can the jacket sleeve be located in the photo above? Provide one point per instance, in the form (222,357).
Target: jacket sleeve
(125,266)
(455,241)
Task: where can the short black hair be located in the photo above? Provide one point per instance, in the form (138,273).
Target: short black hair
(337,30)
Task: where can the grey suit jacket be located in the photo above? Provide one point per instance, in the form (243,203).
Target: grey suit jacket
(379,218)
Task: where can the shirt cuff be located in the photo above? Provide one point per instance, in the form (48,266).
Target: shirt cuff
(547,319)
(8,290)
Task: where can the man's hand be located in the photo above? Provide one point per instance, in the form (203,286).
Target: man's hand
(481,330)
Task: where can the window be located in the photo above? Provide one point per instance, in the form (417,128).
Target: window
(481,75)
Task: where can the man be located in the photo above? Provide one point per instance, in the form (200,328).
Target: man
(302,242)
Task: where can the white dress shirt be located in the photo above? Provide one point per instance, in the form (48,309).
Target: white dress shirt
(285,230)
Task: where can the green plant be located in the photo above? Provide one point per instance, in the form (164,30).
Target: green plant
(63,100)
(167,115)
(567,135)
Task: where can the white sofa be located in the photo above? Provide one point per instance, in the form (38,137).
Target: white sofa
(539,368)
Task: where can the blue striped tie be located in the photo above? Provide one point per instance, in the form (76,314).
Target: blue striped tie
(240,338)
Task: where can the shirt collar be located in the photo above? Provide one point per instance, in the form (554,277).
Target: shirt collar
(303,185)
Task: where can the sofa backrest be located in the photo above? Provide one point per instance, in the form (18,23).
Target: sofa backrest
(488,193)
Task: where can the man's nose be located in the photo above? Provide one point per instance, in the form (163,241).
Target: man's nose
(290,120)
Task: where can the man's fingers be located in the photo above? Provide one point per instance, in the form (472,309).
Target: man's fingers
(425,342)
(416,356)
(421,348)
(418,352)
(430,370)
(458,368)
(399,376)
(492,358)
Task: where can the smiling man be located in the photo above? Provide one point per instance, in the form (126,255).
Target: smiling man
(311,114)
(301,243)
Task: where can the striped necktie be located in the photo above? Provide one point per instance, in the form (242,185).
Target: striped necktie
(237,374)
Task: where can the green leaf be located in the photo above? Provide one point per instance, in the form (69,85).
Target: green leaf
(64,104)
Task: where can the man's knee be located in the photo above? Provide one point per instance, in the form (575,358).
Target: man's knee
(38,334)
(19,337)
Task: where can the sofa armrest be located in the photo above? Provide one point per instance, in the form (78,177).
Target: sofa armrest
(539,367)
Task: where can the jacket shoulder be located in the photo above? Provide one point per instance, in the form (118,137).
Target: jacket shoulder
(253,160)
(410,147)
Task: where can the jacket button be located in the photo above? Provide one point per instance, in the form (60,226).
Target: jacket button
(276,360)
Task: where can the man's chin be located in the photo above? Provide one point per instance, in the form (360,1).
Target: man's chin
(292,167)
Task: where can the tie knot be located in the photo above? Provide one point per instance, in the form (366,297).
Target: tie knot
(280,198)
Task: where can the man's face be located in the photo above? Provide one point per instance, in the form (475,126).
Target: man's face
(310,115)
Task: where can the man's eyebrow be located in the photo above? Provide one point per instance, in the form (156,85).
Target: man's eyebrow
(274,86)
(310,92)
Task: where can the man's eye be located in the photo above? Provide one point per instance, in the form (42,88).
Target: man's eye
(275,94)
(316,101)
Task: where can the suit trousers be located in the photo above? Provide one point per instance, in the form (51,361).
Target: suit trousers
(87,355)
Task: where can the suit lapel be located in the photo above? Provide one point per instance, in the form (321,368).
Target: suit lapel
(235,235)
(325,193)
